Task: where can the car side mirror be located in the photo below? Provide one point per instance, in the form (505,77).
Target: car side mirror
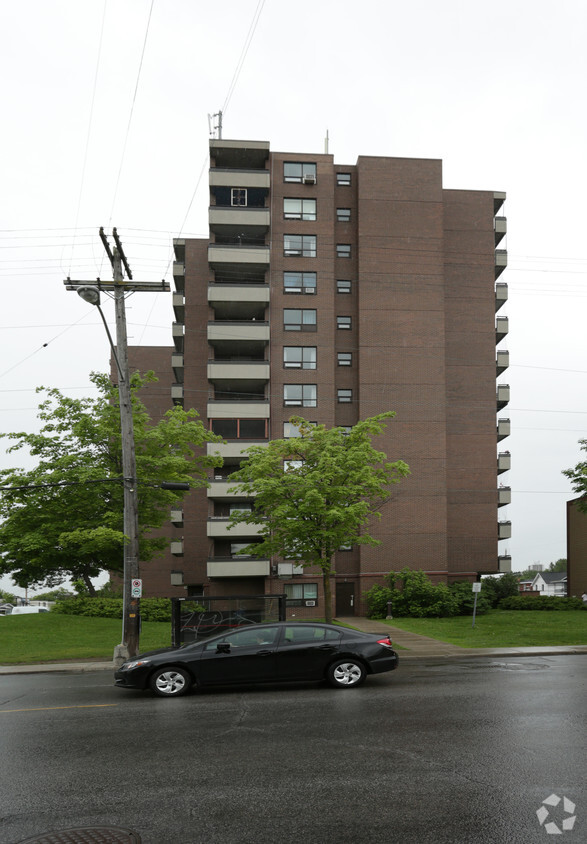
(223,648)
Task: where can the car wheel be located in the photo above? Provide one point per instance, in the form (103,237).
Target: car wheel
(346,673)
(170,682)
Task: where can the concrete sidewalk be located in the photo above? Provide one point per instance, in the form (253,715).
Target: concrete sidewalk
(411,646)
(422,647)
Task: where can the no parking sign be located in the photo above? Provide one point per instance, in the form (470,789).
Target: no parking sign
(136,588)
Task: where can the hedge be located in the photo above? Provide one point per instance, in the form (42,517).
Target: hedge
(542,603)
(152,609)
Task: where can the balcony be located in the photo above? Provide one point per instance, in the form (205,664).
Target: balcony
(222,528)
(222,177)
(239,154)
(177,394)
(223,331)
(499,198)
(254,371)
(177,332)
(179,276)
(504,496)
(500,227)
(223,488)
(233,450)
(238,409)
(236,258)
(220,294)
(238,567)
(176,518)
(504,462)
(502,326)
(234,220)
(503,395)
(501,261)
(503,429)
(502,361)
(177,366)
(501,295)
(178,304)
(504,530)
(176,548)
(504,564)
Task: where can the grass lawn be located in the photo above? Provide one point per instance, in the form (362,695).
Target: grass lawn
(51,637)
(503,628)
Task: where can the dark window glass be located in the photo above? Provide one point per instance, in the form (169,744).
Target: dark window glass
(227,428)
(238,196)
(252,429)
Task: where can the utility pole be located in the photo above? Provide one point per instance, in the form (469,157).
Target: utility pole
(118,289)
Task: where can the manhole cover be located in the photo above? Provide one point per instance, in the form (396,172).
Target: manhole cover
(87,835)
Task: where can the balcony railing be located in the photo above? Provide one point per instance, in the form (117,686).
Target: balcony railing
(504,462)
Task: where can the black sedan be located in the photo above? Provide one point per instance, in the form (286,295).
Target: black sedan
(263,653)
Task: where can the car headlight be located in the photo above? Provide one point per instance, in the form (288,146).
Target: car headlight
(137,663)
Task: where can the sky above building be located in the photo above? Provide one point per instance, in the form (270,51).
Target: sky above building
(105,110)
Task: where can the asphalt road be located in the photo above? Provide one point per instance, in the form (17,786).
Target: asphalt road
(464,751)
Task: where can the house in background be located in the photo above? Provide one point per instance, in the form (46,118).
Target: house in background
(550,583)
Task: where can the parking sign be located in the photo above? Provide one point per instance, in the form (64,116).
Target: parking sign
(136,588)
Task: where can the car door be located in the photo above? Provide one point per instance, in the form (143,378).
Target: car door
(305,651)
(247,655)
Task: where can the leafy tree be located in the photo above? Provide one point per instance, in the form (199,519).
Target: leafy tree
(64,518)
(59,594)
(497,588)
(7,597)
(316,492)
(578,478)
(559,565)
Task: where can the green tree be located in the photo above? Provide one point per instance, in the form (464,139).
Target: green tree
(7,597)
(558,565)
(64,518)
(578,478)
(317,492)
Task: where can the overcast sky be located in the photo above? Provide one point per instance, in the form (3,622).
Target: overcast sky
(105,109)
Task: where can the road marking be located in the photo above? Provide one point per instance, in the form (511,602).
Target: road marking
(46,708)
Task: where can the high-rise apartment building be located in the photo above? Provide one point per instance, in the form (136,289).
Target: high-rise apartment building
(335,293)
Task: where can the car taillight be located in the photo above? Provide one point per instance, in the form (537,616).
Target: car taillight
(385,642)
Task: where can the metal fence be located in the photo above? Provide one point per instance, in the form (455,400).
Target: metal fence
(198,618)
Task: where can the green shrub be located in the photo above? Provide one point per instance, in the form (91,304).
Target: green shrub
(548,603)
(497,588)
(152,609)
(463,592)
(418,597)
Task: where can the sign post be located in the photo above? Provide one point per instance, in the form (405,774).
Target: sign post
(476,590)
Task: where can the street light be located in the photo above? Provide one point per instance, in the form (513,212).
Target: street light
(91,295)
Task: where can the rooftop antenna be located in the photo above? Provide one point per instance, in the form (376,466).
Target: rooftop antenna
(326,143)
(215,126)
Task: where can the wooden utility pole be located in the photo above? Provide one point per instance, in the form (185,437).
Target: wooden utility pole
(118,289)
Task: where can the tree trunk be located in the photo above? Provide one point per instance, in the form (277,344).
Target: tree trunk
(327,595)
(89,585)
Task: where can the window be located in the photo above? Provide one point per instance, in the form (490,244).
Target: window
(345,358)
(237,548)
(290,430)
(291,466)
(238,196)
(299,319)
(299,209)
(343,286)
(344,396)
(343,322)
(343,250)
(301,395)
(343,178)
(299,357)
(343,215)
(234,429)
(251,637)
(346,429)
(299,171)
(299,282)
(300,244)
(296,593)
(345,547)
